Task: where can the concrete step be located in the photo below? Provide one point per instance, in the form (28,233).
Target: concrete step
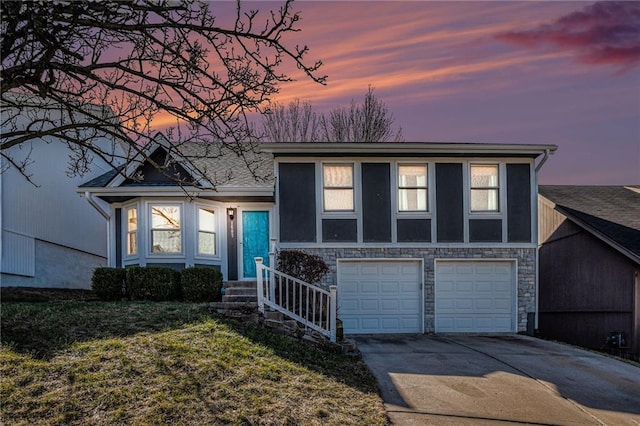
(240,284)
(240,291)
(273,315)
(222,307)
(243,298)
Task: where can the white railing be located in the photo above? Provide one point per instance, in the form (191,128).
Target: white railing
(310,305)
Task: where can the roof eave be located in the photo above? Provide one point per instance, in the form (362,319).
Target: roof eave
(175,191)
(399,148)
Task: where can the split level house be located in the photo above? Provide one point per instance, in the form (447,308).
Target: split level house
(590,265)
(419,237)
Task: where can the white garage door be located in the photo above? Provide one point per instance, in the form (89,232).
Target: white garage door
(474,296)
(380,296)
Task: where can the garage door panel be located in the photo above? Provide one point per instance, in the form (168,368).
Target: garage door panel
(463,305)
(389,287)
(474,296)
(484,304)
(408,288)
(369,288)
(485,269)
(386,299)
(389,270)
(349,304)
(349,287)
(410,304)
(392,305)
(372,305)
(464,269)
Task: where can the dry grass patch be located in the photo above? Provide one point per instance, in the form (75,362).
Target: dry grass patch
(152,363)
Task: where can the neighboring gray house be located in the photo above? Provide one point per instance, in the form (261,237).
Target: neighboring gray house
(50,236)
(420,237)
(590,264)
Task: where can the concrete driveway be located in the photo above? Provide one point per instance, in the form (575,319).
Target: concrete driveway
(457,380)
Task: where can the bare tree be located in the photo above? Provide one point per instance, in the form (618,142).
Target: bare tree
(370,121)
(296,122)
(78,69)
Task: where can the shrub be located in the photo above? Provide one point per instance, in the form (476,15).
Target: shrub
(108,283)
(200,284)
(156,283)
(307,267)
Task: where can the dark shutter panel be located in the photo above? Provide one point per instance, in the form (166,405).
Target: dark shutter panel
(485,230)
(414,230)
(449,202)
(376,202)
(297,202)
(519,203)
(339,230)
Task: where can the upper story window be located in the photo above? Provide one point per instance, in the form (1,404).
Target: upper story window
(485,188)
(412,188)
(165,229)
(206,232)
(132,231)
(338,187)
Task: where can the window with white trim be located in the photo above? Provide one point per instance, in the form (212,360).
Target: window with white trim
(338,187)
(206,232)
(166,235)
(412,188)
(485,188)
(132,231)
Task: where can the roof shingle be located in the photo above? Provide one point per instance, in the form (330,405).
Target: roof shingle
(612,211)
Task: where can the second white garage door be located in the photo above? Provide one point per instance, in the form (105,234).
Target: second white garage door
(380,296)
(475,296)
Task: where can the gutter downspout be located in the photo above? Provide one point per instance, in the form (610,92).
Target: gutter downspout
(106,215)
(95,205)
(544,160)
(537,316)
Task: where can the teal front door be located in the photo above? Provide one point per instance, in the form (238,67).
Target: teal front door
(255,240)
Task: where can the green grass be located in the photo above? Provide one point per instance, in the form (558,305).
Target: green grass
(87,362)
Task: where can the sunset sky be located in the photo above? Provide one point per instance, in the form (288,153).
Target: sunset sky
(564,73)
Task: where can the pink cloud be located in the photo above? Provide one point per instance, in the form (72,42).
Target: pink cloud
(601,33)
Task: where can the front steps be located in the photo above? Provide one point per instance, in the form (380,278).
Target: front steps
(240,301)
(239,296)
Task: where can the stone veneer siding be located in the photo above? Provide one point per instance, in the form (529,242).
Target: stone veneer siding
(526,270)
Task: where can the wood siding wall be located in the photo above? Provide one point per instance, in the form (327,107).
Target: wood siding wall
(376,219)
(587,289)
(297,187)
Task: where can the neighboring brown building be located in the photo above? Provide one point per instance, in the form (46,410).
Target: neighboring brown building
(589,264)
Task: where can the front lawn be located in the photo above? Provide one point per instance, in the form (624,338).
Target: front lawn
(88,362)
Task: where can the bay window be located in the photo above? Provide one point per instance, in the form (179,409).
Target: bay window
(132,231)
(166,236)
(206,232)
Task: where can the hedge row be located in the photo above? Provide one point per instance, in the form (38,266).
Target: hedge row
(158,283)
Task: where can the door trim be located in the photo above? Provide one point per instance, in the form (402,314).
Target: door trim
(240,235)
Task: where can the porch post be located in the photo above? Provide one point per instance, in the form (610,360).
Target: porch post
(332,312)
(272,265)
(259,286)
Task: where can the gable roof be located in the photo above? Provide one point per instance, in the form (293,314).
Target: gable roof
(198,163)
(611,213)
